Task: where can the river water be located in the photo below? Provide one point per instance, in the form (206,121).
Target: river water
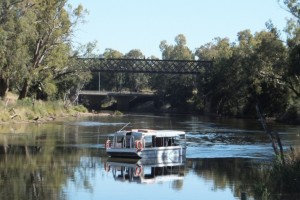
(66,159)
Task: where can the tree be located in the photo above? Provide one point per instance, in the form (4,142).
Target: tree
(292,77)
(244,73)
(176,89)
(15,31)
(215,88)
(292,6)
(74,75)
(109,81)
(135,82)
(271,62)
(48,46)
(178,52)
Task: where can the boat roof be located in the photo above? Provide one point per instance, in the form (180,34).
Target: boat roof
(150,132)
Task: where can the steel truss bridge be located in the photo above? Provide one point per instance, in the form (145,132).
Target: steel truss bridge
(146,65)
(136,66)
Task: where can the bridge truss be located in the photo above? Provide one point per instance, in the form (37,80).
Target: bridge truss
(146,65)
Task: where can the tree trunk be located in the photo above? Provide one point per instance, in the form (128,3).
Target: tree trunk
(4,85)
(24,91)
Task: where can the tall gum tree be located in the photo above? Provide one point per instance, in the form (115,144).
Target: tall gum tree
(136,81)
(214,89)
(113,81)
(14,33)
(176,89)
(292,78)
(49,43)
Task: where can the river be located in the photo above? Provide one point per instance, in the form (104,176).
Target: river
(66,159)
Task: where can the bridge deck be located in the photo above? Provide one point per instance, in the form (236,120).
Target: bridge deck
(111,93)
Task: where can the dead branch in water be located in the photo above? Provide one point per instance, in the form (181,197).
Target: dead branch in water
(273,136)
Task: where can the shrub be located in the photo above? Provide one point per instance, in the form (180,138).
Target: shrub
(281,179)
(80,108)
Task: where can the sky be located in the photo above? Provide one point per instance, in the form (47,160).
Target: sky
(124,25)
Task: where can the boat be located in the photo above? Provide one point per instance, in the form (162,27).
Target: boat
(147,143)
(145,171)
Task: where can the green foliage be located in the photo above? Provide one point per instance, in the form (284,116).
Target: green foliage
(174,89)
(280,179)
(177,52)
(292,114)
(244,73)
(108,81)
(80,108)
(117,113)
(135,82)
(35,45)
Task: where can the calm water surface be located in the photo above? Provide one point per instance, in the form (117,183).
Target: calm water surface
(67,160)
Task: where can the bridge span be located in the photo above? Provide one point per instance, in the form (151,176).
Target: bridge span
(124,65)
(145,65)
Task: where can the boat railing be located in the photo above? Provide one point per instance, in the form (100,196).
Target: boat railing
(129,141)
(124,143)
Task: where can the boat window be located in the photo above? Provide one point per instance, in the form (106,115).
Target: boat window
(170,141)
(166,141)
(120,139)
(148,141)
(159,142)
(137,136)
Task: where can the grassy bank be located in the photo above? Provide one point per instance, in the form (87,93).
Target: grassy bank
(280,180)
(13,110)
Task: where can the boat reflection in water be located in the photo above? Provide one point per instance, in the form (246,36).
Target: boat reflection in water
(146,170)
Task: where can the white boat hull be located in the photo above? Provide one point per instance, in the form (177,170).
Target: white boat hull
(154,152)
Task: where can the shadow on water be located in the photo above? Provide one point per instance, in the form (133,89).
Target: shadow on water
(67,160)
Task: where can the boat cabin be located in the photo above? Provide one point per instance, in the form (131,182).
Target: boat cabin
(150,138)
(146,143)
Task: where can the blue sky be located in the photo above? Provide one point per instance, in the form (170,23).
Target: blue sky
(124,25)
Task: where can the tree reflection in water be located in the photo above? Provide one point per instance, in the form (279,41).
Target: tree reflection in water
(29,174)
(56,161)
(43,173)
(239,174)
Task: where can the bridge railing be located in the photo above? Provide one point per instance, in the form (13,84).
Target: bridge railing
(146,65)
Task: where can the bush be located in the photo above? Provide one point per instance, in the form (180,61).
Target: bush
(292,115)
(281,179)
(80,108)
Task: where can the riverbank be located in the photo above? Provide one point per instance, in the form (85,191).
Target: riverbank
(28,110)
